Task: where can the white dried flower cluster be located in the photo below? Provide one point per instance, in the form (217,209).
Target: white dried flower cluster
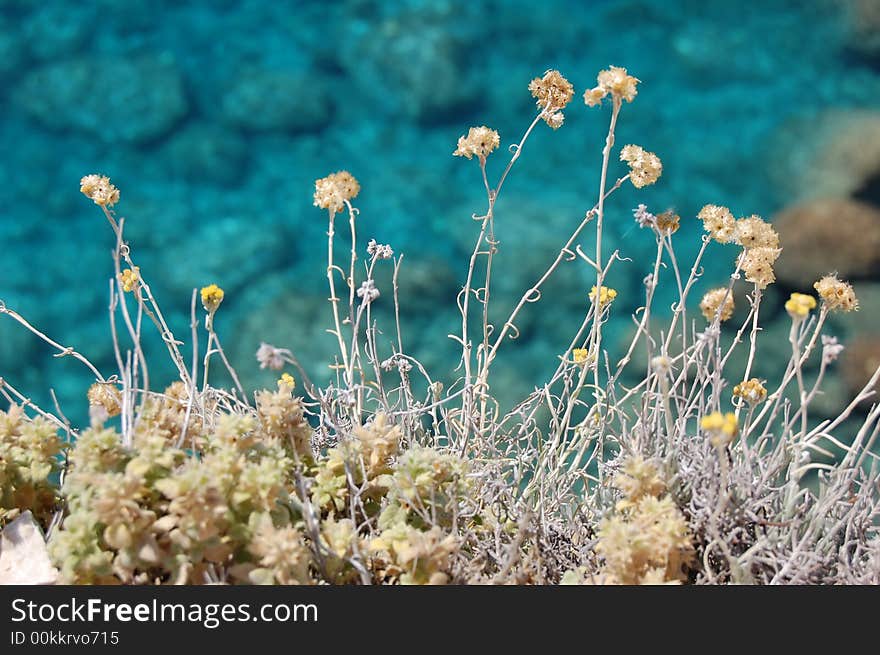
(830,349)
(399,361)
(368,291)
(271,357)
(379,250)
(643,217)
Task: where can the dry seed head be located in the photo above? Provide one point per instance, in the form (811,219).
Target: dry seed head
(333,191)
(480,141)
(270,357)
(645,167)
(668,222)
(99,189)
(552,91)
(713,300)
(836,294)
(106,396)
(718,222)
(754,232)
(615,81)
(757,264)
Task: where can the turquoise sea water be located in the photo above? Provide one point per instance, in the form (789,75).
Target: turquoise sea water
(214,119)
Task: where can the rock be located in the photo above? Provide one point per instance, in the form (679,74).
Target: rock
(864,23)
(111,99)
(11,50)
(24,558)
(228,251)
(53,32)
(415,59)
(835,154)
(207,153)
(277,100)
(823,236)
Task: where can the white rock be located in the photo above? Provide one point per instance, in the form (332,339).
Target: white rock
(23,555)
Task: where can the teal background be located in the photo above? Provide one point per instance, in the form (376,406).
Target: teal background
(214,120)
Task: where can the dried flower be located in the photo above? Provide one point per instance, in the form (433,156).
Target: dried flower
(286,381)
(661,364)
(751,391)
(837,294)
(333,191)
(615,81)
(718,222)
(799,305)
(129,278)
(830,349)
(668,222)
(378,250)
(645,167)
(721,428)
(480,141)
(552,93)
(368,291)
(754,232)
(606,295)
(555,120)
(643,217)
(757,264)
(271,357)
(212,296)
(106,397)
(99,189)
(720,298)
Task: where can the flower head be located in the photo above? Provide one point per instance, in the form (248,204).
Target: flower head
(379,250)
(480,141)
(757,264)
(552,93)
(718,222)
(106,396)
(799,305)
(615,81)
(751,391)
(271,357)
(720,298)
(286,381)
(606,295)
(212,296)
(836,294)
(754,232)
(645,167)
(333,191)
(668,222)
(721,428)
(129,278)
(580,356)
(99,189)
